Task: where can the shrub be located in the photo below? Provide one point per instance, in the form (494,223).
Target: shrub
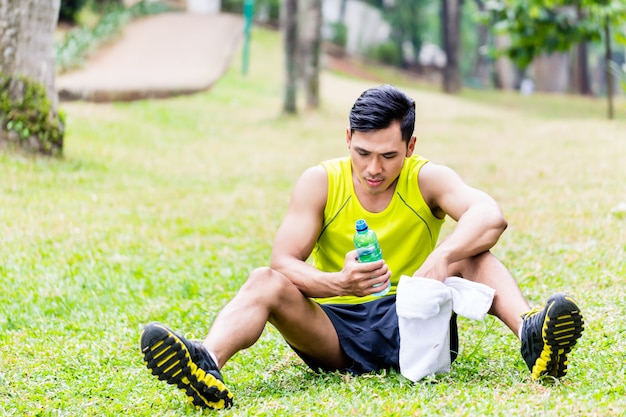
(69,10)
(271,6)
(26,117)
(387,53)
(339,33)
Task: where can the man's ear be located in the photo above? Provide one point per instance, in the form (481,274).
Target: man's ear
(348,137)
(411,146)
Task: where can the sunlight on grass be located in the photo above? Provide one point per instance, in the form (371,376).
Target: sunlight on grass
(160,209)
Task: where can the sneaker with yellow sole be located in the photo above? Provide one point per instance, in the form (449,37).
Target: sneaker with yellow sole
(185,364)
(549,334)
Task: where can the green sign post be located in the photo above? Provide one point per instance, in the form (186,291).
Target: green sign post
(248,13)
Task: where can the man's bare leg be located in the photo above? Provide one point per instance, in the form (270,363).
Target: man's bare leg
(508,303)
(269,296)
(547,335)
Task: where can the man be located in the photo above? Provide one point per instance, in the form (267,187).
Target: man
(325,310)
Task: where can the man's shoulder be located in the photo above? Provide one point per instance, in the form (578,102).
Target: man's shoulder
(337,167)
(314,173)
(312,187)
(335,162)
(433,169)
(413,165)
(417,160)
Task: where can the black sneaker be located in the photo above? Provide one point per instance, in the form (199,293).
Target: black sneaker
(548,335)
(186,364)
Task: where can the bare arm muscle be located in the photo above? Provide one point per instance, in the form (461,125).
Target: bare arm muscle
(480,220)
(296,236)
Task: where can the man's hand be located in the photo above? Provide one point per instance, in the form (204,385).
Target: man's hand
(358,278)
(436,266)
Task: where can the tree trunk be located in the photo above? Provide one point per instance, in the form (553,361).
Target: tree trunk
(503,66)
(480,70)
(581,74)
(27,40)
(342,11)
(451,25)
(29,116)
(551,72)
(290,40)
(311,47)
(607,66)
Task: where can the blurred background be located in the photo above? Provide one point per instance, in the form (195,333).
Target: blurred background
(557,46)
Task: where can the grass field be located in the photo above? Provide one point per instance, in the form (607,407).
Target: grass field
(159,209)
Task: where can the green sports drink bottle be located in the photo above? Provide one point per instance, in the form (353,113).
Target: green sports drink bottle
(367,248)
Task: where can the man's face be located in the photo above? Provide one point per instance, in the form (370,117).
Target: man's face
(377,156)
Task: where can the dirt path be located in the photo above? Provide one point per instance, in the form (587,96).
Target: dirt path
(158,56)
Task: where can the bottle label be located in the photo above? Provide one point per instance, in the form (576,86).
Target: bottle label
(369,253)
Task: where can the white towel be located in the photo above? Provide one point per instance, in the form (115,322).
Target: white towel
(424,307)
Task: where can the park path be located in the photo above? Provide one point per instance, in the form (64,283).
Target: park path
(157,56)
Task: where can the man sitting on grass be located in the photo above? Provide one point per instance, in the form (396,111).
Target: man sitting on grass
(326,310)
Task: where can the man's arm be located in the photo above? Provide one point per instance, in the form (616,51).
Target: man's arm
(296,238)
(480,221)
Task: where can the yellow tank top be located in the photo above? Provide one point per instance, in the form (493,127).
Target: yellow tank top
(407,230)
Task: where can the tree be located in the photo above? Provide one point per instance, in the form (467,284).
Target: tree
(408,22)
(540,26)
(302,51)
(583,83)
(451,32)
(608,14)
(535,28)
(480,70)
(28,99)
(69,10)
(290,41)
(311,51)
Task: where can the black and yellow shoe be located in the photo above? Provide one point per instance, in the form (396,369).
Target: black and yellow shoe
(549,334)
(186,364)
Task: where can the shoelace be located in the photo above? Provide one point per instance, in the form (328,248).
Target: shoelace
(531,312)
(202,359)
(534,342)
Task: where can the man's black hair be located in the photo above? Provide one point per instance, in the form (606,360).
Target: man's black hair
(378,107)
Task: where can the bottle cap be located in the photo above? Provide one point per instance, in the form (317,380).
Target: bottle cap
(361,225)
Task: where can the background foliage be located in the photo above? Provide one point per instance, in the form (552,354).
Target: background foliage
(69,10)
(539,27)
(26,112)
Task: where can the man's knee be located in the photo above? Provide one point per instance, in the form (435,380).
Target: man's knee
(266,280)
(471,266)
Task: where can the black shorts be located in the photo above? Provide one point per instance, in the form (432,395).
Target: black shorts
(369,336)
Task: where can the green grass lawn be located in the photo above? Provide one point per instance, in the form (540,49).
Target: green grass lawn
(159,210)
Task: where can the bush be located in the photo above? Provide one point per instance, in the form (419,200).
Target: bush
(69,10)
(387,53)
(272,7)
(27,118)
(339,34)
